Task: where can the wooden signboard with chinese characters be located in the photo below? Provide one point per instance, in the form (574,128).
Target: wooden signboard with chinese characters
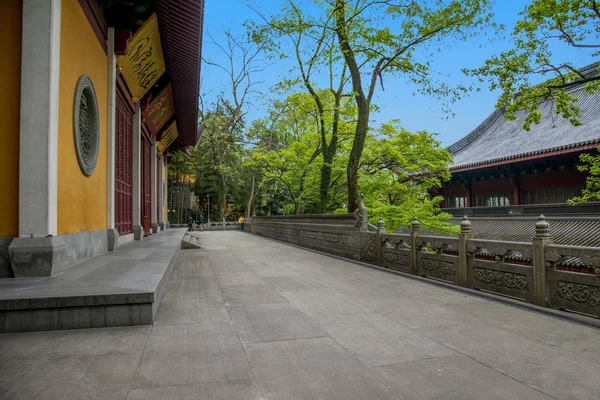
(144,63)
(160,110)
(168,136)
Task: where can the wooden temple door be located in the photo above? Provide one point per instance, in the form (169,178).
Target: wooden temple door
(146,181)
(123,164)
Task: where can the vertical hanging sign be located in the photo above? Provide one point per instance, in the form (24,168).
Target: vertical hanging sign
(160,110)
(168,136)
(144,63)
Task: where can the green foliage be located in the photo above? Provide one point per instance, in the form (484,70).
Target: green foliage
(218,158)
(398,171)
(516,72)
(590,164)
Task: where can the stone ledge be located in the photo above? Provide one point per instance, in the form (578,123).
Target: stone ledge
(119,288)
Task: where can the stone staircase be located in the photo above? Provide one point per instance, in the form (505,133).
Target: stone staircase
(190,241)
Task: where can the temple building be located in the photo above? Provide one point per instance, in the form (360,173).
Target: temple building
(95,95)
(504,176)
(500,166)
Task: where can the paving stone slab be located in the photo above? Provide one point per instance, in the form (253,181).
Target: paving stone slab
(587,347)
(375,339)
(242,278)
(198,285)
(316,302)
(554,371)
(454,377)
(265,323)
(230,390)
(537,326)
(106,376)
(185,354)
(308,369)
(292,283)
(251,295)
(191,311)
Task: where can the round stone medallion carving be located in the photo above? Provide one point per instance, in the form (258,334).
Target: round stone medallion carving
(86,125)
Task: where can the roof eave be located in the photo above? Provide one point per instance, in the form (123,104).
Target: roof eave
(180,24)
(573,148)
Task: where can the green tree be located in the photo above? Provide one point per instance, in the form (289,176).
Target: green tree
(218,157)
(287,147)
(314,52)
(516,73)
(378,37)
(398,171)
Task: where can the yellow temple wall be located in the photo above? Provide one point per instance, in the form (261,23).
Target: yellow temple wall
(82,200)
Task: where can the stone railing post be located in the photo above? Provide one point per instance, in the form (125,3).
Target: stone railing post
(463,261)
(364,215)
(413,259)
(542,238)
(378,244)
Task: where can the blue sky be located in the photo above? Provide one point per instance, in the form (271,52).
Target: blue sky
(416,112)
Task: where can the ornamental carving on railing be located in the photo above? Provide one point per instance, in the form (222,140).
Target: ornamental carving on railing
(579,293)
(357,218)
(367,246)
(396,259)
(401,243)
(472,249)
(592,261)
(552,256)
(498,252)
(442,267)
(500,278)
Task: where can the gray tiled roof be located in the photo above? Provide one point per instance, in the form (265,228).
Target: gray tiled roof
(498,139)
(574,231)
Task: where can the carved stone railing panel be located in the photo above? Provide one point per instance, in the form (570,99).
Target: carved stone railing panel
(368,249)
(317,219)
(340,240)
(514,252)
(438,266)
(501,267)
(584,256)
(396,258)
(395,240)
(437,244)
(574,292)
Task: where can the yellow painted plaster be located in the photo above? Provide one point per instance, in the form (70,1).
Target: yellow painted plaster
(82,200)
(10,94)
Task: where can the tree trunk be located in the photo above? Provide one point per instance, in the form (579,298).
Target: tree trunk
(362,102)
(326,169)
(222,199)
(249,205)
(362,126)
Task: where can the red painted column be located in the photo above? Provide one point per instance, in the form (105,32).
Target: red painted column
(516,190)
(467,187)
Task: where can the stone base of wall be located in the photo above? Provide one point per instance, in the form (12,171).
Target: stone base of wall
(5,269)
(34,257)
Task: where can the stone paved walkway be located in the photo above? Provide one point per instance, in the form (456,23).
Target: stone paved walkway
(248,318)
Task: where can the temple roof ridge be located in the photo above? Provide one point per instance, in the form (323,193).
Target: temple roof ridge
(497,139)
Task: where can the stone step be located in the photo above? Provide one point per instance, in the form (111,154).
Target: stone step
(190,242)
(119,288)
